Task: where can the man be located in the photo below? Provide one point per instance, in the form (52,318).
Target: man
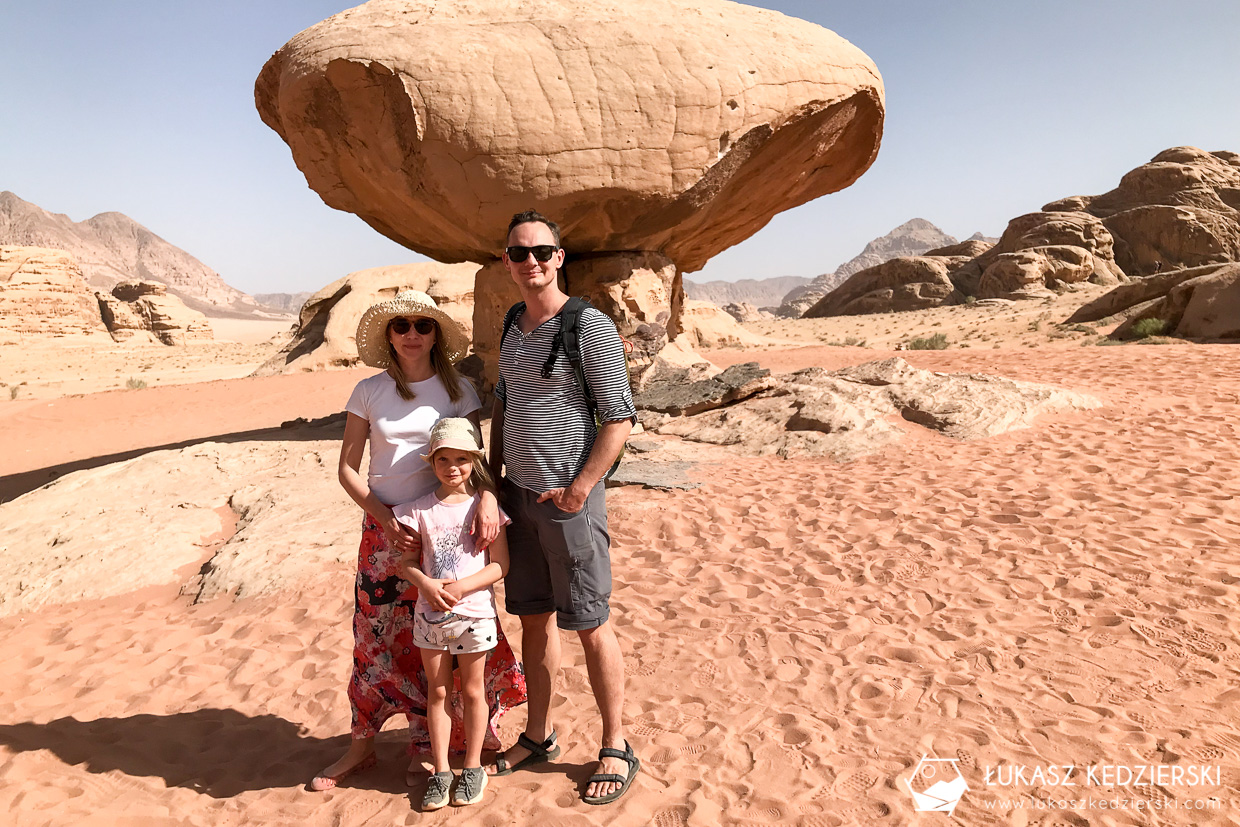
(544,434)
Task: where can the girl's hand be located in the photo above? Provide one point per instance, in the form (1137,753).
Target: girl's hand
(486,521)
(438,595)
(400,538)
(454,589)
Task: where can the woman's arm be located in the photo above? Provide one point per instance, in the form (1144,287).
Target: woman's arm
(356,432)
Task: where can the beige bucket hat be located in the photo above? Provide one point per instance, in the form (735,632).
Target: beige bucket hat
(454,432)
(372,344)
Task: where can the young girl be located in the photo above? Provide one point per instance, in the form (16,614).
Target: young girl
(455,614)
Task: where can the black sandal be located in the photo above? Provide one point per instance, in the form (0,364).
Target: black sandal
(548,750)
(604,777)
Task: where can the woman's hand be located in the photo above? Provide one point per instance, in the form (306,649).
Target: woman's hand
(486,521)
(437,595)
(400,538)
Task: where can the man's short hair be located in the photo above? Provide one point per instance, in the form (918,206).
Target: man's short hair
(534,217)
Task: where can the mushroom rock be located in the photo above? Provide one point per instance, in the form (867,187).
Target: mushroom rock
(325,334)
(649,126)
(43,293)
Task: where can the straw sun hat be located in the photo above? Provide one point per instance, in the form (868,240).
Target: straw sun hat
(372,342)
(454,432)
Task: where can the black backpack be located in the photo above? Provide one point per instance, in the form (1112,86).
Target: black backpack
(568,339)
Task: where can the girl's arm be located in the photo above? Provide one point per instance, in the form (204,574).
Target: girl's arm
(486,517)
(492,573)
(356,432)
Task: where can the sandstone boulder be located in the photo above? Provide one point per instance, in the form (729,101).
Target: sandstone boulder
(648,125)
(325,335)
(1046,229)
(746,312)
(1034,272)
(909,283)
(43,294)
(1180,210)
(146,310)
(706,325)
(1136,292)
(970,248)
(1204,307)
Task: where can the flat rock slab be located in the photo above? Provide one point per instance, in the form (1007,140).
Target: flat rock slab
(849,413)
(681,399)
(662,476)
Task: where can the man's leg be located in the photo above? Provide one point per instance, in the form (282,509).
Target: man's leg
(605,665)
(540,652)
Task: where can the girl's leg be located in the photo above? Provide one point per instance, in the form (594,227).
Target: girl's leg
(473,692)
(438,664)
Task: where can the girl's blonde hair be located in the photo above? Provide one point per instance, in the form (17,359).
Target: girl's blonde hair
(443,367)
(481,478)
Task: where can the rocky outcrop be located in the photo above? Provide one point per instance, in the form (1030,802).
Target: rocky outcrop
(111,248)
(430,120)
(912,238)
(43,294)
(848,413)
(1136,292)
(706,325)
(758,292)
(901,284)
(1206,306)
(746,312)
(325,335)
(282,302)
(146,310)
(1178,211)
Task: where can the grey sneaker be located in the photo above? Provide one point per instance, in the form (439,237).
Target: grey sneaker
(437,790)
(470,787)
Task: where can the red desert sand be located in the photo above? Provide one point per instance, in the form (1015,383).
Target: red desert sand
(798,633)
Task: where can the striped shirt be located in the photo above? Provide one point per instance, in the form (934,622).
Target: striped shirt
(548,427)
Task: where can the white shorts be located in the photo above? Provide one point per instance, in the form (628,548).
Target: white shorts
(455,634)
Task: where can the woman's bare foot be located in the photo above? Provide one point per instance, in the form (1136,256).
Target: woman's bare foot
(361,755)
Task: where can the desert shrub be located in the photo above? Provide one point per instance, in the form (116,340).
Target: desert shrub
(1149,327)
(936,342)
(135,384)
(13,392)
(970,299)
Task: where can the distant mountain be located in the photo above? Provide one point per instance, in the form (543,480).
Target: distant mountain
(758,292)
(112,247)
(283,302)
(979,237)
(909,239)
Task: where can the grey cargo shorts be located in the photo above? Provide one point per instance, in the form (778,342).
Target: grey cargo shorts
(557,562)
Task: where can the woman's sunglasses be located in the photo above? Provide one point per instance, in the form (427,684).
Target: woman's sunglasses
(400,326)
(542,252)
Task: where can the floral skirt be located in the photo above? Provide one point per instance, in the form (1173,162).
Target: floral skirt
(388,676)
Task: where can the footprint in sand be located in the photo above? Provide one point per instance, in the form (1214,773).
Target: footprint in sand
(705,675)
(790,669)
(671,817)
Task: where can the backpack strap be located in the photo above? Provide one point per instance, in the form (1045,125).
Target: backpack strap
(509,318)
(570,327)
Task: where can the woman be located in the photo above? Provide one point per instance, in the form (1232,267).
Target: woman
(418,345)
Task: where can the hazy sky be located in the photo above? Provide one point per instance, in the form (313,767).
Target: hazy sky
(993,108)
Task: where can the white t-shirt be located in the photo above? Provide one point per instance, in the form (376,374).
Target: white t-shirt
(400,432)
(448,550)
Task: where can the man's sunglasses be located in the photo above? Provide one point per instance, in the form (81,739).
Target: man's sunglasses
(542,252)
(400,326)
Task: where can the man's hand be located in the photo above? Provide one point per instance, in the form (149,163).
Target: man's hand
(569,500)
(486,521)
(438,595)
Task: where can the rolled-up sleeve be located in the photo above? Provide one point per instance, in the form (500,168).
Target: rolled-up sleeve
(607,374)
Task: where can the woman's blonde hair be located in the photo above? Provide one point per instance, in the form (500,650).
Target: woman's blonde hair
(443,367)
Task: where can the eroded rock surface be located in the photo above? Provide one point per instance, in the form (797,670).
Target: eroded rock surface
(147,310)
(1206,306)
(848,413)
(43,294)
(325,335)
(647,125)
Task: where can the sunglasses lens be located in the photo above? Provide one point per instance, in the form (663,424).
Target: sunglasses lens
(399,326)
(424,326)
(542,253)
